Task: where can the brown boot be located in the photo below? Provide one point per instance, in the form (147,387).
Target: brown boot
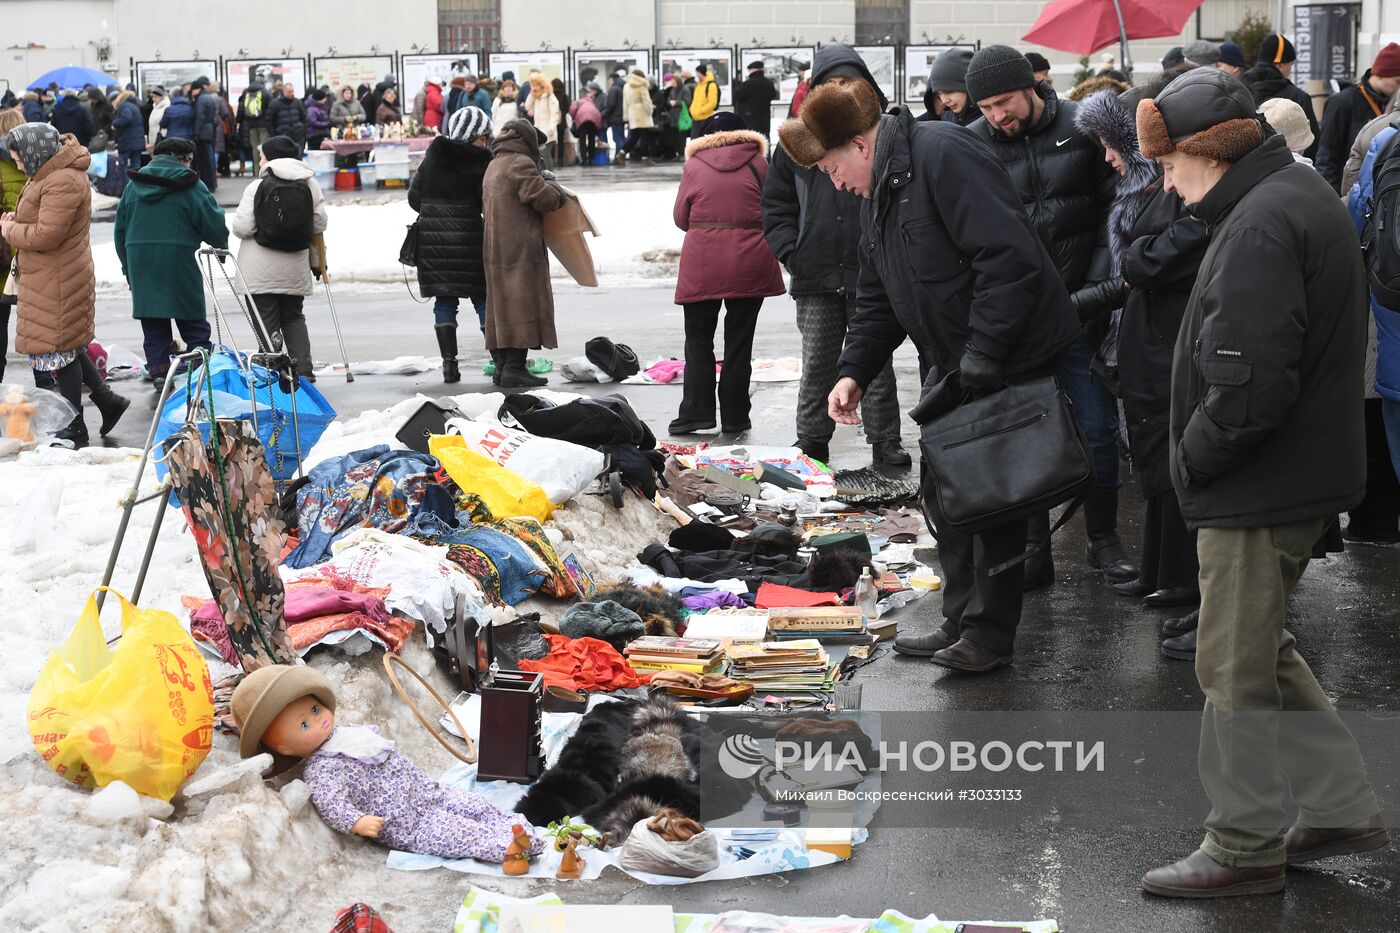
(923,646)
(964,655)
(1306,844)
(1200,876)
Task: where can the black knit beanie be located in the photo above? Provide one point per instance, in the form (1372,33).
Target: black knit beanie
(949,72)
(996,70)
(280,147)
(175,146)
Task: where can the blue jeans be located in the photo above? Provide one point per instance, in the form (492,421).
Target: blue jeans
(445,310)
(619,136)
(1390,410)
(1095,407)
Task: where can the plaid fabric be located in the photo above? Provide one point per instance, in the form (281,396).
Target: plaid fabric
(360,918)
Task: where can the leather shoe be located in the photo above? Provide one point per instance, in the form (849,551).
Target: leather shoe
(1040,573)
(1198,875)
(923,646)
(564,700)
(1108,556)
(1180,648)
(1305,844)
(1187,623)
(1136,589)
(889,453)
(1171,597)
(817,450)
(964,655)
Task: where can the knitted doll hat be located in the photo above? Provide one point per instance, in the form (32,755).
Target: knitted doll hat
(831,115)
(1205,113)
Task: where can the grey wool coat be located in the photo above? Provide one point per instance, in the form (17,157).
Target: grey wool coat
(515,197)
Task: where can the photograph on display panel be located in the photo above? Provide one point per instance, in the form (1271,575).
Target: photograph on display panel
(719,61)
(171,75)
(340,71)
(596,65)
(782,66)
(417,69)
(239,73)
(880,60)
(550,64)
(918,62)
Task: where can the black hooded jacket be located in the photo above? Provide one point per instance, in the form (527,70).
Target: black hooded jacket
(812,228)
(1062,179)
(1347,111)
(1266,414)
(1266,82)
(949,258)
(446,193)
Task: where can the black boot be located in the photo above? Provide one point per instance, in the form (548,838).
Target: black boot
(447,346)
(1105,551)
(1040,565)
(514,375)
(1180,648)
(499,361)
(76,434)
(111,406)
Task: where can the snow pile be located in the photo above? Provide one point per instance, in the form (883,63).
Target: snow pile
(638,240)
(234,851)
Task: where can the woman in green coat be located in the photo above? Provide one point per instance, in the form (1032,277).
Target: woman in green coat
(164,215)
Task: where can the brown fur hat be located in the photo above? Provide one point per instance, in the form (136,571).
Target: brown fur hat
(1205,113)
(831,114)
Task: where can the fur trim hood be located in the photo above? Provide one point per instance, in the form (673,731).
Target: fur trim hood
(1103,116)
(831,115)
(1204,113)
(726,138)
(1091,86)
(1106,116)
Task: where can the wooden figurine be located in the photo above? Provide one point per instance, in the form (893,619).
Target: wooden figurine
(571,866)
(517,861)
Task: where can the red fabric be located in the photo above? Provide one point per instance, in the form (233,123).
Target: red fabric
(432,107)
(1085,26)
(716,188)
(1387,63)
(360,918)
(798,96)
(584,664)
(773,596)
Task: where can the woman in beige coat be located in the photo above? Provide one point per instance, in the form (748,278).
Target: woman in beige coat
(543,108)
(637,106)
(57,284)
(516,197)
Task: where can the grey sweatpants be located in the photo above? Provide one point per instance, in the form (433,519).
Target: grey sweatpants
(822,320)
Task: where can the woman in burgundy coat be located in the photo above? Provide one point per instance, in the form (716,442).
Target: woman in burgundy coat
(724,261)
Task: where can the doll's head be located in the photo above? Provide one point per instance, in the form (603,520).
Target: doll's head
(15,395)
(284,709)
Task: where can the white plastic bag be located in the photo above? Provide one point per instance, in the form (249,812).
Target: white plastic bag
(561,469)
(646,851)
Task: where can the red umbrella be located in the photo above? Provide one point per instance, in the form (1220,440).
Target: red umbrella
(1084,26)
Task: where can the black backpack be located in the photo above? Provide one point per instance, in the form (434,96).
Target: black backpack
(284,217)
(1380,236)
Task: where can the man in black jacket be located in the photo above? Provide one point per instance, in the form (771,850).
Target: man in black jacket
(613,116)
(1270,79)
(206,131)
(1267,447)
(1067,188)
(1351,108)
(753,100)
(949,259)
(287,116)
(814,231)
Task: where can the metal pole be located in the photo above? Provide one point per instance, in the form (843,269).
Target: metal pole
(1123,52)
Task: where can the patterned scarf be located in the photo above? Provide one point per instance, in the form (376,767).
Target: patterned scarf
(36,143)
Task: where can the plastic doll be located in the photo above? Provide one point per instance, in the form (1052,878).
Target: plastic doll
(18,413)
(359,783)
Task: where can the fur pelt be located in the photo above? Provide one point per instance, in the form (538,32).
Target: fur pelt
(660,612)
(726,138)
(1227,142)
(1104,116)
(831,114)
(627,762)
(834,571)
(1096,85)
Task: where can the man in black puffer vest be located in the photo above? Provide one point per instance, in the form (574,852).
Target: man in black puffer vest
(814,231)
(1067,188)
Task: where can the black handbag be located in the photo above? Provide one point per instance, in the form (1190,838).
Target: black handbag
(1005,456)
(408,251)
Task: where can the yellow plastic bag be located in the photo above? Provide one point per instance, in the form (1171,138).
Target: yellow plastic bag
(142,714)
(506,493)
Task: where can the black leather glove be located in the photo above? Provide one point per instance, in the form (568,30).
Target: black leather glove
(978,370)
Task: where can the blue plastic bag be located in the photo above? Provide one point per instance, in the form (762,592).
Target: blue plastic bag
(259,392)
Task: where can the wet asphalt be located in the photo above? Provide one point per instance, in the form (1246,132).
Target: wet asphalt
(1080,648)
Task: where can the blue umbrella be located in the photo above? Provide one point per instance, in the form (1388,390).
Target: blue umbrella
(72,76)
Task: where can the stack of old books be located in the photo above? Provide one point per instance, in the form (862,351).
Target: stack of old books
(783,667)
(652,653)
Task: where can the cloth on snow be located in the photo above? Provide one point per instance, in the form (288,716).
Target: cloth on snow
(503,565)
(584,664)
(378,487)
(605,621)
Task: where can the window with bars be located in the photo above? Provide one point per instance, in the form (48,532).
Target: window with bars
(471,24)
(881,22)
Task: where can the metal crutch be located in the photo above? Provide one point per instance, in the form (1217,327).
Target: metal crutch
(325,276)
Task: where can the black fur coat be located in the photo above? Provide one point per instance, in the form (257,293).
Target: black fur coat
(446,193)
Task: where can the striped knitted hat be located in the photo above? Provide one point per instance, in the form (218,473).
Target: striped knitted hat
(468,123)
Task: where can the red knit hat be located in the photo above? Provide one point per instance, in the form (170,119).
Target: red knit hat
(1387,63)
